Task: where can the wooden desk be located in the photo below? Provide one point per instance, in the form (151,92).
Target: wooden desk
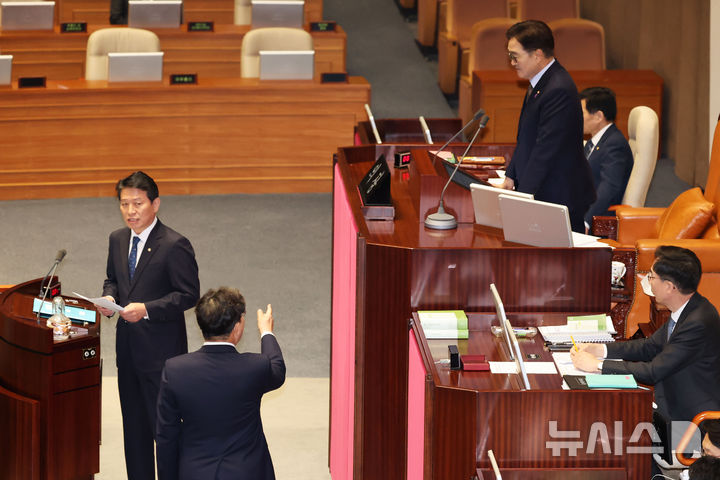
(76,138)
(218,11)
(61,56)
(385,270)
(468,413)
(501,94)
(49,394)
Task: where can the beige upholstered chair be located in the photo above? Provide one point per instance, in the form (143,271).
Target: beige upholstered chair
(644,134)
(547,10)
(120,39)
(243,12)
(275,38)
(487,52)
(579,43)
(454,37)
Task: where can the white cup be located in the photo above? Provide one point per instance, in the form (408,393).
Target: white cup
(618,270)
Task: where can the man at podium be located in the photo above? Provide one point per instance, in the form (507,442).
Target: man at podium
(152,273)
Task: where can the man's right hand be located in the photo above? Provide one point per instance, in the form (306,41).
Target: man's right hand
(595,349)
(265,320)
(508,184)
(106,311)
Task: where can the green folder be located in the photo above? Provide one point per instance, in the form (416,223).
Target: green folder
(611,381)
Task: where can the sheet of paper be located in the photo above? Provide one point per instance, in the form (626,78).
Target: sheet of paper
(565,365)
(584,241)
(543,368)
(503,367)
(101,302)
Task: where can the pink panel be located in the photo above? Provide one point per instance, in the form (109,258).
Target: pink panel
(342,372)
(416,411)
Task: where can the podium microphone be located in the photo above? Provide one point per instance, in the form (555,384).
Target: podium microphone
(442,220)
(477,115)
(44,291)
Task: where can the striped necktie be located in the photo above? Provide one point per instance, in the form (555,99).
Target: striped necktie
(132,259)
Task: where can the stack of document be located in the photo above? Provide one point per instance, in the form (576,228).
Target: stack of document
(583,329)
(444,323)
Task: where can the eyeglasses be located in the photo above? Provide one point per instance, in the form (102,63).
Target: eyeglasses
(651,276)
(513,57)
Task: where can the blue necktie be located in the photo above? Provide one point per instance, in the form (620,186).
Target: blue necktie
(588,149)
(671,327)
(132,259)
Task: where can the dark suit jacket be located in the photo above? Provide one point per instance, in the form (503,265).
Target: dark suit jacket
(166,281)
(611,163)
(118,12)
(208,416)
(684,370)
(548,160)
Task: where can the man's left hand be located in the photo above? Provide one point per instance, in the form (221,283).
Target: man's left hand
(584,361)
(134,312)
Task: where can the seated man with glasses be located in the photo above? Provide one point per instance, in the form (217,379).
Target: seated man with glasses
(682,358)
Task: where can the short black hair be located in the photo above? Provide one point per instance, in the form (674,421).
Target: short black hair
(141,181)
(712,428)
(533,35)
(218,311)
(602,99)
(705,468)
(678,265)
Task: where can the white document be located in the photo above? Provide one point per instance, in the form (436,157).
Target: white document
(585,241)
(101,302)
(547,368)
(565,365)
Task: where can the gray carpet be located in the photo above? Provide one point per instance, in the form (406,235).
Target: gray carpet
(274,248)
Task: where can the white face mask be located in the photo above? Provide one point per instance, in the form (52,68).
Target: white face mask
(645,282)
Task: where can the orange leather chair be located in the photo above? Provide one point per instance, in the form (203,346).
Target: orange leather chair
(487,52)
(579,43)
(547,10)
(456,34)
(691,221)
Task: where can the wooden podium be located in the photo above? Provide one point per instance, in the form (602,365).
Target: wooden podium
(49,393)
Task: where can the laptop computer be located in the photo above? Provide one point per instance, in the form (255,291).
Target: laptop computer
(278,13)
(486,205)
(155,13)
(287,64)
(135,67)
(6,69)
(532,222)
(27,15)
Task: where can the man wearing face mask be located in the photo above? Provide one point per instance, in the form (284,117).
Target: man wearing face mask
(682,358)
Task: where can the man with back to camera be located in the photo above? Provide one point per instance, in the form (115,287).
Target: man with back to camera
(607,151)
(208,410)
(152,273)
(548,160)
(682,358)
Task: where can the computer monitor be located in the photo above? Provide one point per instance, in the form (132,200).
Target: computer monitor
(27,15)
(287,64)
(510,338)
(532,222)
(487,206)
(154,13)
(461,177)
(278,13)
(135,66)
(5,69)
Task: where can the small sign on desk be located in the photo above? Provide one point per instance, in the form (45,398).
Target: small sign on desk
(374,190)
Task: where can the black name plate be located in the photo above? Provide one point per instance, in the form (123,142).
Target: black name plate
(333,78)
(183,79)
(31,82)
(374,188)
(322,26)
(73,27)
(201,26)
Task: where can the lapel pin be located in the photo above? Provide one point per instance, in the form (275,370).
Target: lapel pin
(149,249)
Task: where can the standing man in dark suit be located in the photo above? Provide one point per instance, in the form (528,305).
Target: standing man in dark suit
(607,151)
(152,273)
(682,358)
(208,420)
(548,160)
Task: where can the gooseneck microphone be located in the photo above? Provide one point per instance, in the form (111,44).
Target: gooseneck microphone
(441,220)
(44,290)
(477,115)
